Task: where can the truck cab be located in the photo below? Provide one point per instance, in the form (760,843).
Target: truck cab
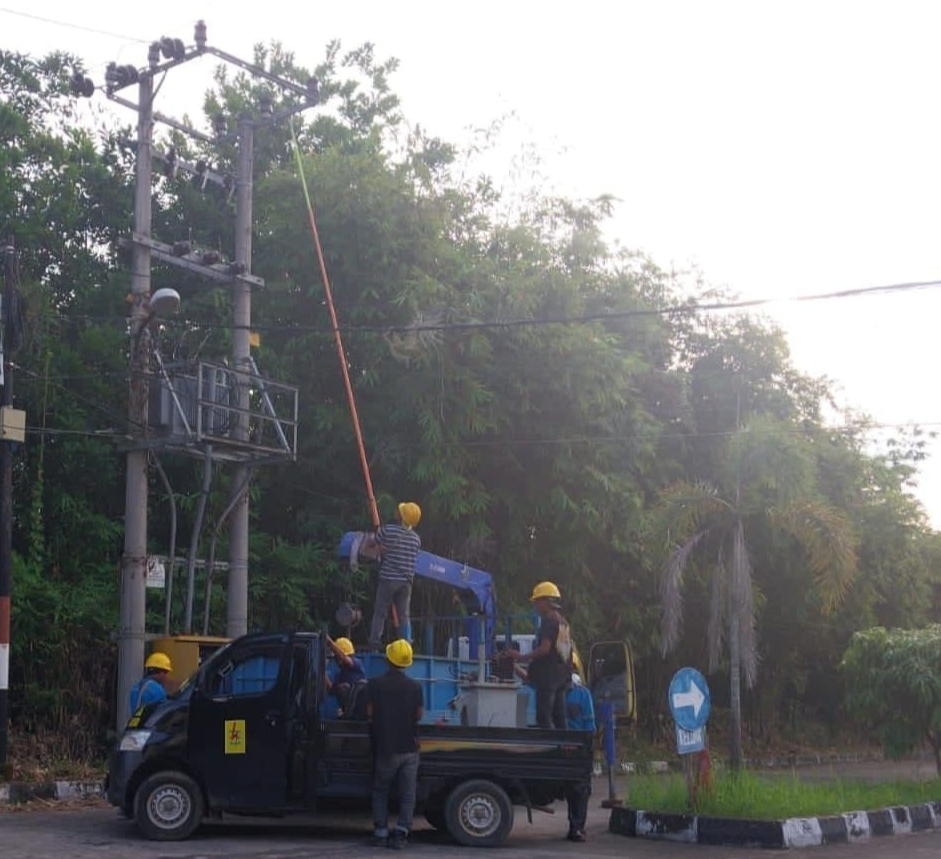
(248,734)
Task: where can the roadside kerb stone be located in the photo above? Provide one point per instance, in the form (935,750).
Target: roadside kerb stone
(796,832)
(18,792)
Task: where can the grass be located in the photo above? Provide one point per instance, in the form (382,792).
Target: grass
(751,796)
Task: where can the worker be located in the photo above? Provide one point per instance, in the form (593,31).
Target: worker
(154,685)
(398,546)
(550,660)
(345,674)
(579,716)
(394,706)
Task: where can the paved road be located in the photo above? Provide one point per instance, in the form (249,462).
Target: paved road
(97,833)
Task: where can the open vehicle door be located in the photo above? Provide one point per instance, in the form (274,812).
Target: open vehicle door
(611,678)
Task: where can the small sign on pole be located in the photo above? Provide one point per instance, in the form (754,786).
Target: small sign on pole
(156,572)
(688,742)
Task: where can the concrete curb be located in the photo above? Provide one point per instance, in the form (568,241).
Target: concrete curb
(17,792)
(850,828)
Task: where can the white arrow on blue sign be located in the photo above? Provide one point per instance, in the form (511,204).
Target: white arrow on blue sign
(689,699)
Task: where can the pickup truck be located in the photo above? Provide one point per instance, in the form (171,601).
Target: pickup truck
(247,734)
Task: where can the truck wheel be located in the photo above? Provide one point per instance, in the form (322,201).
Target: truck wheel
(435,817)
(168,806)
(479,814)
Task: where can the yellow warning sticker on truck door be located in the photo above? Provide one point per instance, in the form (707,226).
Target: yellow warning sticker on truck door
(235,737)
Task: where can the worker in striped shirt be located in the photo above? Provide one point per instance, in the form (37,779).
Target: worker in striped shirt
(398,546)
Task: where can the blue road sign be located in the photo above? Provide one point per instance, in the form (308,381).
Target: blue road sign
(689,699)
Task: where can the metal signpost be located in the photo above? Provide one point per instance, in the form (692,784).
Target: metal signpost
(690,703)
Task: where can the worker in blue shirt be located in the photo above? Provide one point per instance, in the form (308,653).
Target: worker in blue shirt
(152,687)
(346,675)
(579,716)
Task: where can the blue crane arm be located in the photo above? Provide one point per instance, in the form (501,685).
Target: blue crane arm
(475,587)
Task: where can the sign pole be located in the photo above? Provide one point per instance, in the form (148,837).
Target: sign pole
(610,754)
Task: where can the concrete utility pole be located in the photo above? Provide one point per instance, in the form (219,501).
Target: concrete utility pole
(134,562)
(237,603)
(6,505)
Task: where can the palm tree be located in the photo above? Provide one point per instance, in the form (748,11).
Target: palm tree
(770,475)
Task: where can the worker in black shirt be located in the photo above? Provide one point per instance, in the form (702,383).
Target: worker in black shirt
(550,661)
(394,706)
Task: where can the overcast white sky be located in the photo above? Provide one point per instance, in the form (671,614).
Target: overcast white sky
(783,148)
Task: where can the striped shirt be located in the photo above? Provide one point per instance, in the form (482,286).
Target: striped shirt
(400,547)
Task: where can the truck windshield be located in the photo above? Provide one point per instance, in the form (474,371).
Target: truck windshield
(207,666)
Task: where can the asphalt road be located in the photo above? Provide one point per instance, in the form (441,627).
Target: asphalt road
(97,833)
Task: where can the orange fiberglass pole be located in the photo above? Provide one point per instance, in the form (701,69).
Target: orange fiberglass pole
(341,353)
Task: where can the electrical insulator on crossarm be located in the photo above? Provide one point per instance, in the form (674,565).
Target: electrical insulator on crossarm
(199,35)
(170,163)
(200,175)
(81,86)
(172,49)
(117,76)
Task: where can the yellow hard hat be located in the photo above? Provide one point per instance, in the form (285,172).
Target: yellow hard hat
(409,513)
(399,653)
(545,590)
(160,661)
(345,646)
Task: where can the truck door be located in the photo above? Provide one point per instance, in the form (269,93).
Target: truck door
(238,737)
(611,677)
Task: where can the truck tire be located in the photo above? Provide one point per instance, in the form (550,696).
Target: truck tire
(168,806)
(479,814)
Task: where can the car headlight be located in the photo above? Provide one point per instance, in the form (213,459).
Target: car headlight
(134,741)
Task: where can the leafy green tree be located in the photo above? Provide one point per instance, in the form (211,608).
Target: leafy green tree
(766,480)
(894,685)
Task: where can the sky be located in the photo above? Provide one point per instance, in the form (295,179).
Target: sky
(779,148)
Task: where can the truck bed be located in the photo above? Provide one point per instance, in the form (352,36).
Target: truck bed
(531,764)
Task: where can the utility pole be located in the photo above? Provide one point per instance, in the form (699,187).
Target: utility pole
(246,441)
(134,561)
(6,501)
(237,603)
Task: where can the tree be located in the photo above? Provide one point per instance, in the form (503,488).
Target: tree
(766,481)
(894,685)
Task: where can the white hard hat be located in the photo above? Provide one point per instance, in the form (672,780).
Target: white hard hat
(576,680)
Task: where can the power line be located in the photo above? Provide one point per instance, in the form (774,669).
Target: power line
(687,309)
(72,26)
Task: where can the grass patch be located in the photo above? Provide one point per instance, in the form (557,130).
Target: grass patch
(766,797)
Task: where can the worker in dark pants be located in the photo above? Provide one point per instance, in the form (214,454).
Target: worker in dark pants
(394,706)
(580,716)
(550,661)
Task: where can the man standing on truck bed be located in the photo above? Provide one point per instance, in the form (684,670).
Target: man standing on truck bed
(550,668)
(394,706)
(398,546)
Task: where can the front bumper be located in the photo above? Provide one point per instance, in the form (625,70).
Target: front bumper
(121,771)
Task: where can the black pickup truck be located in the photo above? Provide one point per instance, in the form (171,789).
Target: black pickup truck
(246,735)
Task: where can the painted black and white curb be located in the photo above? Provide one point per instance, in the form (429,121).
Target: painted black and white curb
(18,792)
(847,828)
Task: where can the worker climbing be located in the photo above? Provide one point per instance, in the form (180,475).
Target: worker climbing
(397,545)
